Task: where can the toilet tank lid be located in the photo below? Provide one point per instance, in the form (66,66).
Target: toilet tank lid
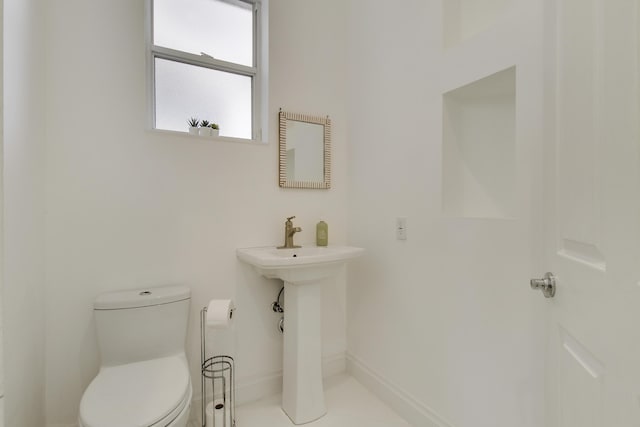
(141,297)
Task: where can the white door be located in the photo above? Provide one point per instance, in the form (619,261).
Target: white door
(592,213)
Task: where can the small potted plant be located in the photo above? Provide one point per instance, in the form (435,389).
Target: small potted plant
(215,129)
(205,130)
(193,125)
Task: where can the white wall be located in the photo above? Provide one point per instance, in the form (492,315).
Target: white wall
(128,207)
(443,324)
(1,216)
(24,267)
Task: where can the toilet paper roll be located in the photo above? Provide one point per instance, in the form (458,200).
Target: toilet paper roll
(221,341)
(216,415)
(220,313)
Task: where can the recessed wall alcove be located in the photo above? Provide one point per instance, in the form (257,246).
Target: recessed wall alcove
(463,19)
(479,133)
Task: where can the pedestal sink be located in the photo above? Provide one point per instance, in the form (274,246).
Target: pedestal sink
(303,271)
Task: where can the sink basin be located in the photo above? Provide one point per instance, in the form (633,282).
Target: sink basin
(298,265)
(304,271)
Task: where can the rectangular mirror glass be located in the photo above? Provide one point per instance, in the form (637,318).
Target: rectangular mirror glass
(305,157)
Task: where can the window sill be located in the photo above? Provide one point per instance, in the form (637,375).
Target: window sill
(187,135)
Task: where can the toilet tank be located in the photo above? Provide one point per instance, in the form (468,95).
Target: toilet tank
(141,324)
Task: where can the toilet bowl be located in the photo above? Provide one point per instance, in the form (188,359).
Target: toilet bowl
(143,394)
(144,376)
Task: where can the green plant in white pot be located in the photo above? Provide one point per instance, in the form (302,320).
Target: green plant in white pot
(193,125)
(215,129)
(205,130)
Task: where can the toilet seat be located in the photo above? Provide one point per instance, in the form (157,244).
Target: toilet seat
(142,394)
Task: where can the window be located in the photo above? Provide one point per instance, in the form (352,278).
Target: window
(205,61)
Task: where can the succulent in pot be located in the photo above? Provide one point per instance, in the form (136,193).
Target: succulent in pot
(193,125)
(205,130)
(215,129)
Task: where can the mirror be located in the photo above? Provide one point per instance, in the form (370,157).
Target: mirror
(305,151)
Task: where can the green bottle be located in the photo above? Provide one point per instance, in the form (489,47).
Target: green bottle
(322,234)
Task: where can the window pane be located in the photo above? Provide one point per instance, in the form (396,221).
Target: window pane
(184,91)
(215,27)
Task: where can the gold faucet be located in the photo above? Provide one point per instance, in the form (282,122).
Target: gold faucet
(289,231)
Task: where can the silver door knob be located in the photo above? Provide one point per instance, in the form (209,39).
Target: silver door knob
(547,285)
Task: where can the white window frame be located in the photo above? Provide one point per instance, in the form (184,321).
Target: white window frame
(258,72)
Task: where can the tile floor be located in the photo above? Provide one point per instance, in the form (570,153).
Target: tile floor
(348,402)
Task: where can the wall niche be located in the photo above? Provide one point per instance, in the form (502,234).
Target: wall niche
(462,19)
(479,136)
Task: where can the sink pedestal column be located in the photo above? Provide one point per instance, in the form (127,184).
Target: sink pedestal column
(302,389)
(304,271)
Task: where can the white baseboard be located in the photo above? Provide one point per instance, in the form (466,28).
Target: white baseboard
(406,405)
(334,365)
(257,387)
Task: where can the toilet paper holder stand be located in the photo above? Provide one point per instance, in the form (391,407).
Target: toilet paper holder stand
(219,369)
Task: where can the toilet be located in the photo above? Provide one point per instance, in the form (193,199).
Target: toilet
(144,377)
